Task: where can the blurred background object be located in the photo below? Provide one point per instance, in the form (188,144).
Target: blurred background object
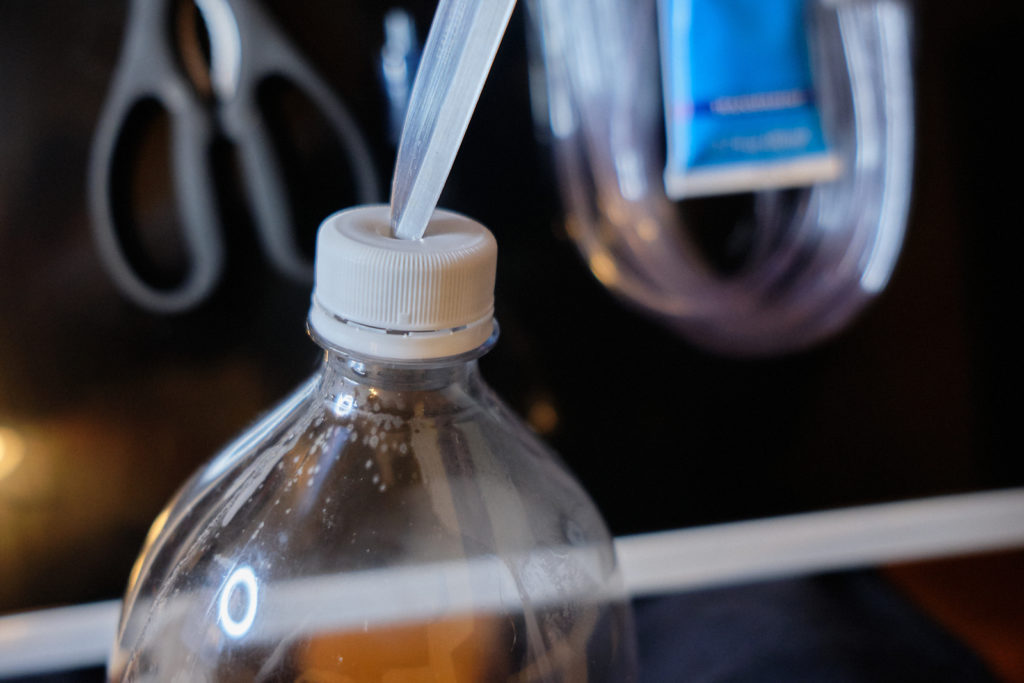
(228,88)
(106,408)
(800,236)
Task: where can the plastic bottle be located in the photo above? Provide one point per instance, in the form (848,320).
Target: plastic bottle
(391,521)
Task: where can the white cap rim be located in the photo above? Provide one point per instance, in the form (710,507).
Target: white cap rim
(398,344)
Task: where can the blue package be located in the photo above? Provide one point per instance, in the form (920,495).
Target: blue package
(739,98)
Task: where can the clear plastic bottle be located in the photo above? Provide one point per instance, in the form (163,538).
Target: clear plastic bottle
(391,521)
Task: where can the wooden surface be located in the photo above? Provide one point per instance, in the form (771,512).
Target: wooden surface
(980,599)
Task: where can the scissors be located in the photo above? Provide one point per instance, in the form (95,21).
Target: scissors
(245,48)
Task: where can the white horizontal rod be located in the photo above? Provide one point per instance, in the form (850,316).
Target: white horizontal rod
(55,640)
(656,563)
(889,533)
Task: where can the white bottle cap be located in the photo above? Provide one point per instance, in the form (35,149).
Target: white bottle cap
(403,299)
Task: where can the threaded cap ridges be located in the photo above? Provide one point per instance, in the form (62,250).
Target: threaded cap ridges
(403,299)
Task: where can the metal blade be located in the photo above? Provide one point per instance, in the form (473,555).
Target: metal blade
(460,48)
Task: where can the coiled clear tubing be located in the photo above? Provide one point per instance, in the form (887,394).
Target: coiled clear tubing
(813,257)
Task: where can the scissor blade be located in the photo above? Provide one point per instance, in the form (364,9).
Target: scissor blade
(225,46)
(460,48)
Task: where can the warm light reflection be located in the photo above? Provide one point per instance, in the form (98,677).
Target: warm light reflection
(542,416)
(12,450)
(154,532)
(242,583)
(648,229)
(604,268)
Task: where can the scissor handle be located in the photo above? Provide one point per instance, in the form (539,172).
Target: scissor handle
(265,52)
(146,72)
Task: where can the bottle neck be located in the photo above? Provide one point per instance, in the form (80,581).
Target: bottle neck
(348,367)
(340,366)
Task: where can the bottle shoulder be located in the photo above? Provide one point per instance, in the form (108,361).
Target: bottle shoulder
(371,452)
(382,489)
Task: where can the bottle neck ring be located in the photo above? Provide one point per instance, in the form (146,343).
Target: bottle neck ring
(420,373)
(331,331)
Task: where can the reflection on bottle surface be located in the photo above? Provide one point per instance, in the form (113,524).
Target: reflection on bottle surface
(389,522)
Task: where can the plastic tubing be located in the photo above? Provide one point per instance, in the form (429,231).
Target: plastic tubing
(816,255)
